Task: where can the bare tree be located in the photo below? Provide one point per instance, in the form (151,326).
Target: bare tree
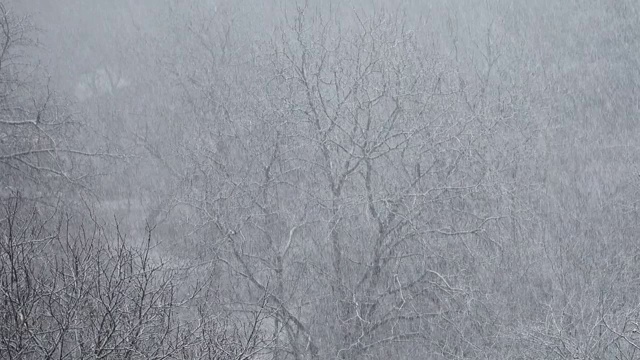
(40,152)
(69,291)
(344,173)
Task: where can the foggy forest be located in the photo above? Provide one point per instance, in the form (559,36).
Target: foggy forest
(319,179)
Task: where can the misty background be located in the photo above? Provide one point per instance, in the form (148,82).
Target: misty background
(315,179)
